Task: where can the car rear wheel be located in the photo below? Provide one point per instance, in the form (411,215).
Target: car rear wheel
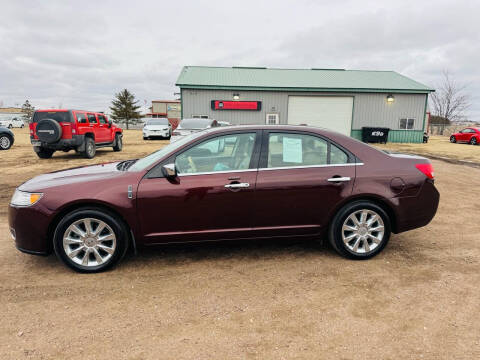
(473,141)
(10,126)
(90,240)
(360,230)
(5,142)
(453,139)
(43,153)
(118,143)
(90,149)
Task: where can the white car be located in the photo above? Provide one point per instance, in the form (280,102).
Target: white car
(157,127)
(190,126)
(11,123)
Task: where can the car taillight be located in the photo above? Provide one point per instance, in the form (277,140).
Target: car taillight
(74,128)
(427,169)
(31,128)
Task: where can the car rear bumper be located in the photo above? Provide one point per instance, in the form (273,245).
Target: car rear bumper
(29,229)
(417,211)
(62,144)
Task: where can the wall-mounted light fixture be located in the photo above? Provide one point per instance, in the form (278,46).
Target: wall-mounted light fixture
(390,99)
(236,97)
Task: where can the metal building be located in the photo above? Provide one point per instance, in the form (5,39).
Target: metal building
(341,100)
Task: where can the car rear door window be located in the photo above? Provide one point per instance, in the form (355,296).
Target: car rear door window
(81,118)
(222,153)
(92,119)
(298,150)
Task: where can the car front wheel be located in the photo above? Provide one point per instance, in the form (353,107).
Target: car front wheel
(473,141)
(90,240)
(360,230)
(118,143)
(453,139)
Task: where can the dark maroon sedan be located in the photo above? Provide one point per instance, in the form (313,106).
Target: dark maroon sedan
(224,184)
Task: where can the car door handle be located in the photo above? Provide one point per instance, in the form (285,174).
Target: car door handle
(238,186)
(339,179)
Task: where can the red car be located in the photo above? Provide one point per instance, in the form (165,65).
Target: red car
(82,131)
(469,135)
(222,184)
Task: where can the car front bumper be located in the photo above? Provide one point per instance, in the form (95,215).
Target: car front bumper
(29,228)
(153,133)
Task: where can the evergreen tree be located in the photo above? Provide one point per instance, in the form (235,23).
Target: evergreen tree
(27,110)
(124,108)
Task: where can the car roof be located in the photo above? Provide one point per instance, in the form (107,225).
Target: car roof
(87,111)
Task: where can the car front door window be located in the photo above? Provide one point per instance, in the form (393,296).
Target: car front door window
(220,154)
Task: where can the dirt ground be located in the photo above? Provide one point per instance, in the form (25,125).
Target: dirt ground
(439,146)
(419,298)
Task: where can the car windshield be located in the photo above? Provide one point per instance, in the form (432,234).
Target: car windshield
(58,116)
(151,159)
(160,121)
(195,123)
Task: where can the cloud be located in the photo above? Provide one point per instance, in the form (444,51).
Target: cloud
(79,54)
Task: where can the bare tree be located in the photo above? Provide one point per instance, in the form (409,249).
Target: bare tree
(450,100)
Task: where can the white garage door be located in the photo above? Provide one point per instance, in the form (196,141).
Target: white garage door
(330,112)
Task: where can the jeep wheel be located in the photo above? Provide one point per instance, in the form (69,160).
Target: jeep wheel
(5,142)
(10,126)
(90,149)
(118,143)
(43,153)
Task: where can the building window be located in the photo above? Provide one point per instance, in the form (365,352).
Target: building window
(199,116)
(272,119)
(407,124)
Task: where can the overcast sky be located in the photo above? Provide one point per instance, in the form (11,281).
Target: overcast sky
(77,54)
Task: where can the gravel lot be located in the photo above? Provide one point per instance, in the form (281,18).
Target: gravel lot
(284,299)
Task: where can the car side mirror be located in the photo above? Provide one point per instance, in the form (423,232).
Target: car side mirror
(169,171)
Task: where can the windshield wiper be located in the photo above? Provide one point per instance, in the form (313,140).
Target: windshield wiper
(124,165)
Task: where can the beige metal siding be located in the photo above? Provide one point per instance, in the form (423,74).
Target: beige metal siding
(368,109)
(159,108)
(373,110)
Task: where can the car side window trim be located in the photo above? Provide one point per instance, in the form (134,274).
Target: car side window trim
(263,165)
(310,166)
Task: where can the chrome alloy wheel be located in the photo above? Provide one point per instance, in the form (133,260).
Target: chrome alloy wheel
(4,142)
(89,242)
(363,231)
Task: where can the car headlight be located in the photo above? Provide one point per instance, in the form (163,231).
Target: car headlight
(23,198)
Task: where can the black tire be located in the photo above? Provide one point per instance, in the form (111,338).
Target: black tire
(22,126)
(43,153)
(118,227)
(6,142)
(10,126)
(335,230)
(118,143)
(453,140)
(90,149)
(473,141)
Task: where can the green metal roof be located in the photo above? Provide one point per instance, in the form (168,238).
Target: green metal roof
(257,78)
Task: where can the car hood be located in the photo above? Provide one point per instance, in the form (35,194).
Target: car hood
(73,175)
(155,127)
